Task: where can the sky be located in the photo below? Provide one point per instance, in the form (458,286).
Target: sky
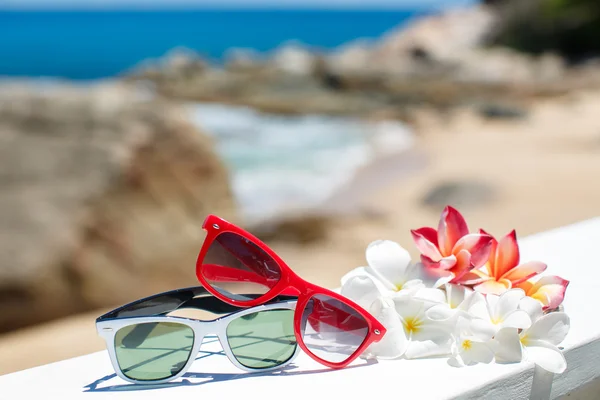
(57,4)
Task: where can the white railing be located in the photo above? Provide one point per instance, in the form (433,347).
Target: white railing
(571,252)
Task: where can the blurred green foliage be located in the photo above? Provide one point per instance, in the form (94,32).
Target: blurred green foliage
(569,27)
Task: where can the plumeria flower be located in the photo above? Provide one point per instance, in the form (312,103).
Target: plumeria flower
(501,312)
(549,290)
(390,265)
(539,342)
(452,248)
(369,294)
(472,344)
(452,302)
(425,337)
(502,269)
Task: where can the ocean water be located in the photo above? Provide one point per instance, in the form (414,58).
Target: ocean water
(278,162)
(97,44)
(282,163)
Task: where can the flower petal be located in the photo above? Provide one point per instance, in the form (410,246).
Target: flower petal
(394,342)
(492,287)
(507,254)
(547,356)
(517,319)
(462,267)
(362,290)
(482,330)
(477,353)
(456,361)
(508,346)
(478,245)
(474,277)
(408,307)
(426,241)
(429,342)
(524,271)
(532,307)
(430,277)
(550,290)
(507,303)
(552,328)
(452,227)
(445,263)
(430,295)
(490,265)
(475,304)
(388,261)
(456,294)
(440,312)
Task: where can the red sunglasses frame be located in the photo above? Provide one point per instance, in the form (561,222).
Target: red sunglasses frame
(289,283)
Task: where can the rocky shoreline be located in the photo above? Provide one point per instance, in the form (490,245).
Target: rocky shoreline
(438,62)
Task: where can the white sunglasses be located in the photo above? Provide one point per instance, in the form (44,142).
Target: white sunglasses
(147,346)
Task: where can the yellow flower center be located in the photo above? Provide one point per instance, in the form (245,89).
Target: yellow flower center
(399,286)
(467,344)
(524,340)
(412,325)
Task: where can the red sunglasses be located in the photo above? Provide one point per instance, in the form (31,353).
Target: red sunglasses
(241,270)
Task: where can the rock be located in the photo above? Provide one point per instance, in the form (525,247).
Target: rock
(103,192)
(179,63)
(295,59)
(443,38)
(451,46)
(243,59)
(459,194)
(501,111)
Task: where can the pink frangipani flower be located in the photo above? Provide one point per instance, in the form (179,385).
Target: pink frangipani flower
(452,248)
(502,270)
(548,290)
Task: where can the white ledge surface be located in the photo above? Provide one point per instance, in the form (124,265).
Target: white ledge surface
(569,252)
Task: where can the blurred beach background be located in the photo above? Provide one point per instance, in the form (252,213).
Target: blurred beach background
(319,126)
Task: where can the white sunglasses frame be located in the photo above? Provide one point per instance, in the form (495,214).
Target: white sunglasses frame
(107,329)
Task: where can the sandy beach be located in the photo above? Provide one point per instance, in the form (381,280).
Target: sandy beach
(541,172)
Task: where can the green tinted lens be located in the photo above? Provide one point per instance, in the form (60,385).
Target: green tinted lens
(263,339)
(153,351)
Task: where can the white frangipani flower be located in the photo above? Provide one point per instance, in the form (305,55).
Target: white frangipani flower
(453,301)
(501,311)
(472,344)
(391,265)
(426,338)
(409,331)
(539,342)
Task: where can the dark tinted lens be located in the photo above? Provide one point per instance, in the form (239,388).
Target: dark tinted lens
(235,266)
(332,330)
(263,339)
(153,351)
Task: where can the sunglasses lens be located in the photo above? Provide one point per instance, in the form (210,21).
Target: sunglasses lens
(235,266)
(332,330)
(263,339)
(153,351)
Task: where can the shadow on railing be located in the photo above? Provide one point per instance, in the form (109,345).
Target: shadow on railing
(211,377)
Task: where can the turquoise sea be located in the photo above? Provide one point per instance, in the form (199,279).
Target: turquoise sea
(96,44)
